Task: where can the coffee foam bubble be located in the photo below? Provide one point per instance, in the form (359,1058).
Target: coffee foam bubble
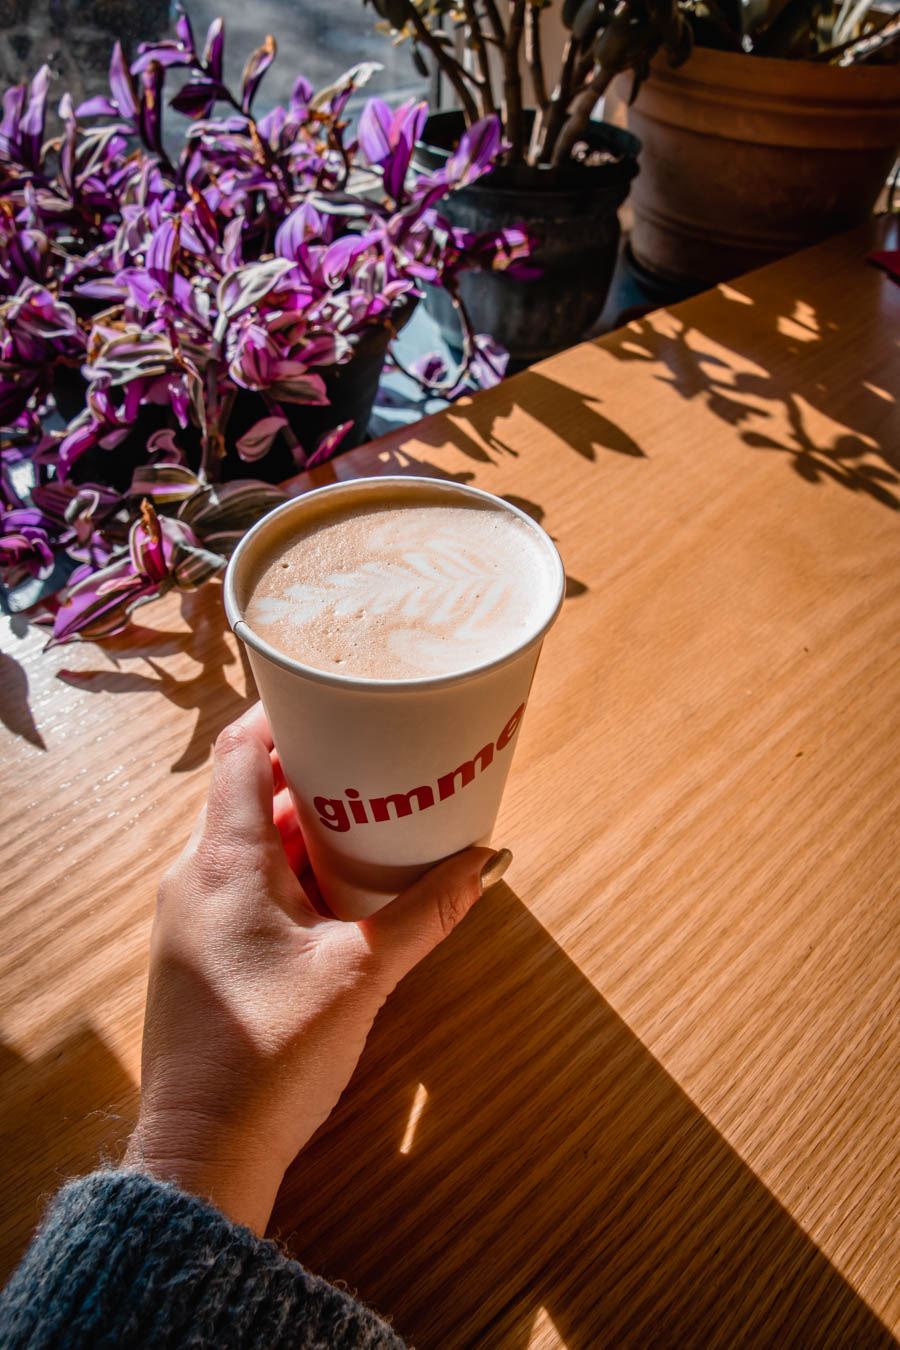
(404,592)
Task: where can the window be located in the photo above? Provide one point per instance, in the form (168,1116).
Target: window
(316,38)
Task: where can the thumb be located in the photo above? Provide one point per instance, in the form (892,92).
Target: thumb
(239,805)
(411,926)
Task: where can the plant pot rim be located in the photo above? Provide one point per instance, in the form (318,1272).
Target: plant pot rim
(572,179)
(796,78)
(769,101)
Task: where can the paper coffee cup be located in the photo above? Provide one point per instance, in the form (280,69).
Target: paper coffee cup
(388,776)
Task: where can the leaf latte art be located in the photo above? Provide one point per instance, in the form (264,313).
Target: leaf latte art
(400,592)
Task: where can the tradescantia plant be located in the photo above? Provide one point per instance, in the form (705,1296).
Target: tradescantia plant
(183,308)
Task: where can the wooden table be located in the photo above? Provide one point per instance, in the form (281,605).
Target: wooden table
(647,1094)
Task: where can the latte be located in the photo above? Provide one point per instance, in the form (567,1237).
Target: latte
(393,626)
(408,588)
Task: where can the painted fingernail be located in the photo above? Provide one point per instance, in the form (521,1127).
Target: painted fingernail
(494,868)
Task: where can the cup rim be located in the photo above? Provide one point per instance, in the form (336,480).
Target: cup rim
(368,684)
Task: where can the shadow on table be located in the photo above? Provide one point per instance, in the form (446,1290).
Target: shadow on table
(60,1116)
(15,708)
(208,693)
(518,1155)
(702,346)
(572,418)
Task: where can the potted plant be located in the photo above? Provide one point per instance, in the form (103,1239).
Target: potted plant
(779,130)
(561,173)
(200,319)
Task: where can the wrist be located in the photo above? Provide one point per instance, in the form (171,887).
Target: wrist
(199,1159)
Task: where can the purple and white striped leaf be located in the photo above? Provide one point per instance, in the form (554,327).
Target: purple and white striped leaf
(328,445)
(258,440)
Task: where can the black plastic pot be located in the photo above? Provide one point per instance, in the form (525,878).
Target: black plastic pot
(69,391)
(351,390)
(572,211)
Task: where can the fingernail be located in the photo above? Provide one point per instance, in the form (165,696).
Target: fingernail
(494,868)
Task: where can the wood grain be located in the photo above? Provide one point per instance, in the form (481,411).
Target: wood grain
(647,1095)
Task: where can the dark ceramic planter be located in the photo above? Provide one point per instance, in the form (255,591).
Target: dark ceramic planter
(351,390)
(573,213)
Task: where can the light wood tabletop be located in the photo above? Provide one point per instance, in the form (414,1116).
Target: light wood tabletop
(648,1094)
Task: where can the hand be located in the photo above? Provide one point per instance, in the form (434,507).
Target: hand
(258,1008)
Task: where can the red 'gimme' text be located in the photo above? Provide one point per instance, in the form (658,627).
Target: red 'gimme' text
(341,813)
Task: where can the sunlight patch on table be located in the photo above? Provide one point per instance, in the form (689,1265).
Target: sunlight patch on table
(731,294)
(878,391)
(802,325)
(416,1110)
(544,1335)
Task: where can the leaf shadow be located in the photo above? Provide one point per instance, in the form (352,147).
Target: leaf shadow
(15,709)
(738,395)
(208,693)
(812,462)
(572,418)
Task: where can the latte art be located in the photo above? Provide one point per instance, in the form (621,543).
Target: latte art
(399,592)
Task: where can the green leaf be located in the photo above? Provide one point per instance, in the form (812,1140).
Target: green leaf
(679,41)
(224,541)
(584,17)
(133,355)
(569,10)
(395,11)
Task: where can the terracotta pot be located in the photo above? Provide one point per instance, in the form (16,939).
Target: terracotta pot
(749,158)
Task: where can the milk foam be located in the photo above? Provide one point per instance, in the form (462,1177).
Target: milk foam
(399,592)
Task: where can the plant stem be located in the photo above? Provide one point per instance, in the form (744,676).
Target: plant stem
(583,69)
(533,55)
(287,433)
(212,442)
(577,122)
(496,23)
(512,81)
(486,93)
(262,150)
(877,29)
(550,119)
(469,335)
(453,69)
(336,142)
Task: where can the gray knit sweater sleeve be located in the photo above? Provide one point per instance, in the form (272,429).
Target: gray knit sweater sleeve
(122,1261)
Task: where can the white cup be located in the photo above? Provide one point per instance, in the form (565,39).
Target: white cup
(388,776)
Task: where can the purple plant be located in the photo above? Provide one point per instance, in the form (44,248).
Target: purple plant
(155,300)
